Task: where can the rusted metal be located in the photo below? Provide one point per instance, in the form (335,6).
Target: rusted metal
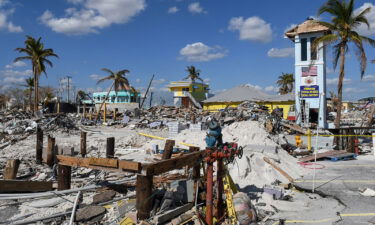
(209,194)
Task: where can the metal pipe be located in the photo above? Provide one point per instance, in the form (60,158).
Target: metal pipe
(74,208)
(209,194)
(220,188)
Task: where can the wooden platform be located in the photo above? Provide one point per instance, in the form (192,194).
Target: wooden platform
(322,155)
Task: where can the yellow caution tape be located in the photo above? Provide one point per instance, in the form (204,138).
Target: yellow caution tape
(338,135)
(229,190)
(327,219)
(162,138)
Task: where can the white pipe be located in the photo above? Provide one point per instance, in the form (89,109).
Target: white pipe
(74,208)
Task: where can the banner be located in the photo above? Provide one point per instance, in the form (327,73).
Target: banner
(309,91)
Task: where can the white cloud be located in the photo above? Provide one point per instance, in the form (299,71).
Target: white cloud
(351,90)
(137,80)
(271,88)
(4,23)
(334,81)
(93,15)
(196,8)
(363,29)
(95,76)
(15,64)
(173,10)
(199,52)
(251,29)
(280,52)
(207,80)
(369,78)
(13,80)
(257,87)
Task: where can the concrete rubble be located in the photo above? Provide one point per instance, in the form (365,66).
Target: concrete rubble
(264,176)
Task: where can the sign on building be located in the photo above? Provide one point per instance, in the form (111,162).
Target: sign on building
(309,91)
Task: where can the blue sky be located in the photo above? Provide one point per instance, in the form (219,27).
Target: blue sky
(231,42)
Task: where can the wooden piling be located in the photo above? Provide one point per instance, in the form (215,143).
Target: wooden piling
(197,168)
(114,114)
(83,143)
(168,149)
(63,177)
(110,151)
(11,169)
(39,145)
(50,151)
(144,196)
(105,113)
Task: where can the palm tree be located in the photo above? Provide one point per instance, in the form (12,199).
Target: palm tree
(285,83)
(29,84)
(119,81)
(193,74)
(343,25)
(38,55)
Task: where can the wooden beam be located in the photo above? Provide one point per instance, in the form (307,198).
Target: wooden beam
(113,163)
(197,168)
(144,196)
(173,213)
(20,186)
(190,159)
(39,145)
(130,166)
(123,165)
(11,169)
(83,143)
(50,151)
(64,175)
(168,149)
(110,151)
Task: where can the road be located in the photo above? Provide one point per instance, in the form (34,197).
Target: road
(343,180)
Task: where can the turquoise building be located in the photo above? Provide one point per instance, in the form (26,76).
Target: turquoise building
(124,99)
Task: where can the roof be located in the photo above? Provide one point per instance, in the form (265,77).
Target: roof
(247,93)
(309,26)
(184,84)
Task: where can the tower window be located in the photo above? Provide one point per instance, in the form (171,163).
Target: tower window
(314,54)
(303,49)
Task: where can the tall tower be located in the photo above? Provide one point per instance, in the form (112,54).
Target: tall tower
(310,74)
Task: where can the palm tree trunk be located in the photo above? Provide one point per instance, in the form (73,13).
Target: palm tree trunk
(30,98)
(105,99)
(36,91)
(339,87)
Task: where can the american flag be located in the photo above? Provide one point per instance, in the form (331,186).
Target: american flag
(309,71)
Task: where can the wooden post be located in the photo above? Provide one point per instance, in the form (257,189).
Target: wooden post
(63,177)
(11,169)
(197,168)
(83,143)
(110,152)
(114,115)
(50,151)
(168,149)
(58,107)
(144,196)
(105,113)
(39,145)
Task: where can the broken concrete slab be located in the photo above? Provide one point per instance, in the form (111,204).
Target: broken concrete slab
(89,212)
(103,197)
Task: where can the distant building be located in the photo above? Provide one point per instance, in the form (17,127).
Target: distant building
(186,93)
(237,95)
(123,99)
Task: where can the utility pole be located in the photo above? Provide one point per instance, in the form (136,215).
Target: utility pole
(69,77)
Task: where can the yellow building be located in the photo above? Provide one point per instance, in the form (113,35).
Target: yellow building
(235,96)
(186,93)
